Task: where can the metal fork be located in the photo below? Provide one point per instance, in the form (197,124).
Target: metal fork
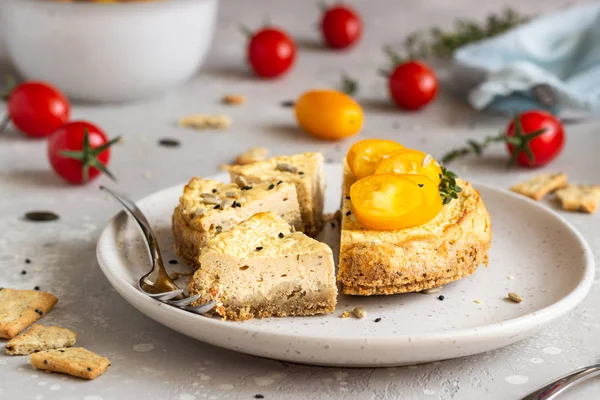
(157,283)
(554,388)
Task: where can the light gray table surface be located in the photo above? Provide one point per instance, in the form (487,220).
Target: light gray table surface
(153,362)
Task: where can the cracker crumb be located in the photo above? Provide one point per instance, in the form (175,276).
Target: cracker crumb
(515,297)
(510,278)
(234,99)
(359,312)
(205,121)
(346,314)
(253,155)
(478,301)
(432,290)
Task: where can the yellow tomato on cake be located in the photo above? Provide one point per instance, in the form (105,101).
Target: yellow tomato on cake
(409,161)
(386,201)
(329,114)
(363,156)
(432,200)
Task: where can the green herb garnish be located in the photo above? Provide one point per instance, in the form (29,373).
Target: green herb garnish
(349,85)
(448,188)
(439,43)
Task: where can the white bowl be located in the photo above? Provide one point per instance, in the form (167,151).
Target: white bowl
(108,51)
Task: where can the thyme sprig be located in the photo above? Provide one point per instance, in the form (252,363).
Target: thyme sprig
(518,142)
(448,187)
(349,85)
(472,147)
(439,43)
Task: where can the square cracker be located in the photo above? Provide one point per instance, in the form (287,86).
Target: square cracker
(21,308)
(41,338)
(582,198)
(540,185)
(75,361)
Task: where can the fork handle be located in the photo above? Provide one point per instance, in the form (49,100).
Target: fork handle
(554,388)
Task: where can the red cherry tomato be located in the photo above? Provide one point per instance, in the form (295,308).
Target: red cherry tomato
(271,52)
(341,26)
(412,85)
(37,109)
(543,148)
(75,160)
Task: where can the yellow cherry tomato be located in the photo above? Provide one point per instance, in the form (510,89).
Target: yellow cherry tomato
(409,161)
(329,114)
(386,201)
(363,156)
(432,204)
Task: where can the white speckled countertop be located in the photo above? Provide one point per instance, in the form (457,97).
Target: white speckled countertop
(153,362)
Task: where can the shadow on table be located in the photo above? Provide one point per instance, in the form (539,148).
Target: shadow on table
(235,73)
(38,179)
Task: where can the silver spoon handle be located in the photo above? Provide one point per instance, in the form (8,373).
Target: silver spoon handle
(554,388)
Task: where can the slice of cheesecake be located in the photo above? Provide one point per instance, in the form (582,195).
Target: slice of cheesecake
(449,247)
(208,207)
(303,170)
(261,268)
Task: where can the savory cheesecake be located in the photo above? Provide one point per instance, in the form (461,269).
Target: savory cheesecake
(447,248)
(262,268)
(208,207)
(305,171)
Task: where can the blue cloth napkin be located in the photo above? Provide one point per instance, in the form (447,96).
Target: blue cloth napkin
(561,50)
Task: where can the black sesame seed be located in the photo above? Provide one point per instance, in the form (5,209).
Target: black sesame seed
(441,297)
(279,183)
(333,225)
(259,248)
(347,197)
(219,228)
(377,319)
(214,190)
(27,261)
(169,142)
(420,184)
(271,186)
(39,312)
(89,369)
(286,104)
(36,351)
(41,216)
(173,261)
(45,361)
(9,348)
(300,173)
(348,213)
(247,188)
(36,288)
(281,235)
(23,272)
(62,351)
(217,207)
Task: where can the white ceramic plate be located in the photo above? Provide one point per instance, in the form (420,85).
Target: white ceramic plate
(535,253)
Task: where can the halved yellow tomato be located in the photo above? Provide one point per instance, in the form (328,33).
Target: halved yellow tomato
(363,156)
(387,201)
(409,161)
(432,200)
